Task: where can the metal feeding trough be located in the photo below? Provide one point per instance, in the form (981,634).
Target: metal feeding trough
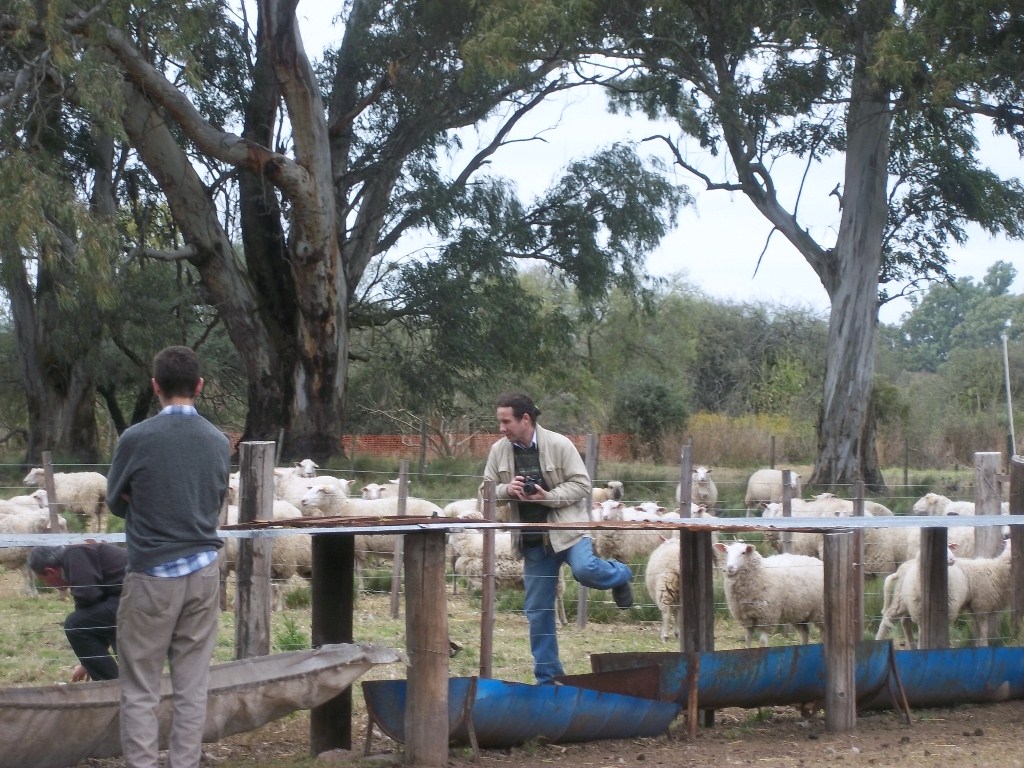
(485,713)
(796,675)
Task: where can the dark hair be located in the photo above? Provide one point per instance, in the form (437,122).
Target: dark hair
(520,404)
(41,558)
(176,370)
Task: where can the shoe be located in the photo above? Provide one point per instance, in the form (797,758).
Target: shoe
(623,595)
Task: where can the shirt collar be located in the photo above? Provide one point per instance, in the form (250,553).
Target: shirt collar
(179,410)
(530,445)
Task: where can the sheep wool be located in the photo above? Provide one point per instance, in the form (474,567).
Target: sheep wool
(764,592)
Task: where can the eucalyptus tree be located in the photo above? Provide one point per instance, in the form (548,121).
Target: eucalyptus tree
(890,89)
(320,172)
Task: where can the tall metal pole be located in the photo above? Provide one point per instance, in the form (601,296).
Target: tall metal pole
(1009,400)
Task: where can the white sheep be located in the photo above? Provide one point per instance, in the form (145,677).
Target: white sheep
(290,555)
(804,542)
(662,580)
(34,499)
(625,545)
(884,548)
(901,595)
(988,589)
(611,490)
(462,507)
(765,592)
(765,486)
(467,550)
(703,490)
(380,490)
(937,504)
(81,493)
(327,501)
(295,488)
(18,518)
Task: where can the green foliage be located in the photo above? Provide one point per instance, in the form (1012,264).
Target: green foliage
(646,409)
(290,636)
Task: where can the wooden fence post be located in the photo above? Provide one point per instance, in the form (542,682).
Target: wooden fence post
(840,637)
(934,629)
(397,555)
(857,563)
(252,571)
(1016,543)
(786,537)
(487,590)
(52,502)
(427,643)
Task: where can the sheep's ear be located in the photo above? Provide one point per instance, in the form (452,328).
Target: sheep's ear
(719,546)
(750,548)
(954,546)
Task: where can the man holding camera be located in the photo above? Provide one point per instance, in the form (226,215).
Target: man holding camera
(543,476)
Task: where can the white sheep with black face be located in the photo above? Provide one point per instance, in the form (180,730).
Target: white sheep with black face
(766,592)
(610,491)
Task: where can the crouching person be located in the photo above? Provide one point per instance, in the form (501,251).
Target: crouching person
(93,573)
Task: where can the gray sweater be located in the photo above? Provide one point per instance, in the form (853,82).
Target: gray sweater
(174,470)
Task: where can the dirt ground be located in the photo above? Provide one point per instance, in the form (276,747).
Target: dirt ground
(964,736)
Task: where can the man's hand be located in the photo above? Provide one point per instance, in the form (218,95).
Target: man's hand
(79,675)
(516,489)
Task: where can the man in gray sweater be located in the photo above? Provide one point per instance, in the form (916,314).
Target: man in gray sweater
(168,479)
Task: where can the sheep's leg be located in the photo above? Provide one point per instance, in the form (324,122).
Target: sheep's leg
(908,630)
(560,607)
(884,626)
(980,622)
(666,622)
(804,630)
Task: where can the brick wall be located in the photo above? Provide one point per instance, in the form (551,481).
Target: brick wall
(612,447)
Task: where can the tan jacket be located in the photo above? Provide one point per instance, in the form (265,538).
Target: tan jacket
(564,474)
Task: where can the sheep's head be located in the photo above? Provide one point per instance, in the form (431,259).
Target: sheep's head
(34,477)
(372,490)
(701,474)
(318,497)
(611,509)
(736,554)
(306,468)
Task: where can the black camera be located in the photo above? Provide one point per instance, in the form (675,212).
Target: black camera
(530,483)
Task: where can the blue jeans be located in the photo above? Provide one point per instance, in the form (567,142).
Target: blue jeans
(540,581)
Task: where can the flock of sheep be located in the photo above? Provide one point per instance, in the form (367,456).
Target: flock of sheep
(762,591)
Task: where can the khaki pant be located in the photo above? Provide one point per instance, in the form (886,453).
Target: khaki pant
(172,619)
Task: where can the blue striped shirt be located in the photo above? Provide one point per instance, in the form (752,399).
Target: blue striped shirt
(183,566)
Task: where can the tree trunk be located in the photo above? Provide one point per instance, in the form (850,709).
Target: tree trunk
(59,394)
(846,450)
